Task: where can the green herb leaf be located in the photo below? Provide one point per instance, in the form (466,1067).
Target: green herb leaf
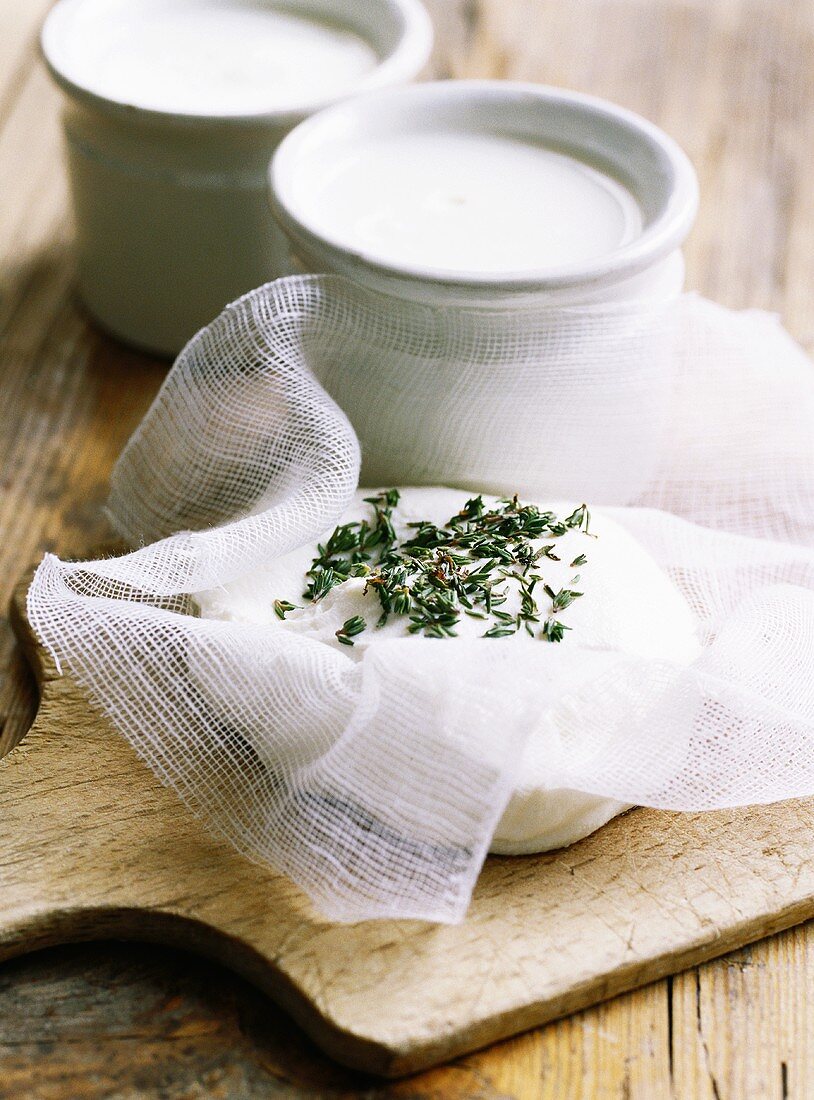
(564,598)
(350,628)
(469,565)
(554,630)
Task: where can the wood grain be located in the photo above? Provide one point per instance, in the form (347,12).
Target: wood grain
(733,81)
(95,845)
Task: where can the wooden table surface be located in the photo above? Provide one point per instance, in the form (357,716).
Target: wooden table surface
(733,81)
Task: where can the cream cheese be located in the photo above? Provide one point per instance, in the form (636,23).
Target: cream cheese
(470,201)
(657,623)
(210,57)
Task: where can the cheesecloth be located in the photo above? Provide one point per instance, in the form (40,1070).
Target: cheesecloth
(381,780)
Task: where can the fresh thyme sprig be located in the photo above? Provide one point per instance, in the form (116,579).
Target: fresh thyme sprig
(467,566)
(350,628)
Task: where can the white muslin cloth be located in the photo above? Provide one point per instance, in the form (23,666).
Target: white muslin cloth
(376,780)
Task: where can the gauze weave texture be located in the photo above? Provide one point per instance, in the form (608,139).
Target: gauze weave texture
(380,780)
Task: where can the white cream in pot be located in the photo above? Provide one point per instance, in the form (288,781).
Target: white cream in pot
(563,197)
(174,108)
(458,202)
(213,57)
(478,217)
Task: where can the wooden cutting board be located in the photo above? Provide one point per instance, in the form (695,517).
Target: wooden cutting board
(93,846)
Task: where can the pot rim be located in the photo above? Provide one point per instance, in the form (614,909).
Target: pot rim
(402,63)
(671,184)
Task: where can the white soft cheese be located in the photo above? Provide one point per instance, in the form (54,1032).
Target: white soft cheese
(458,201)
(207,57)
(629,606)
